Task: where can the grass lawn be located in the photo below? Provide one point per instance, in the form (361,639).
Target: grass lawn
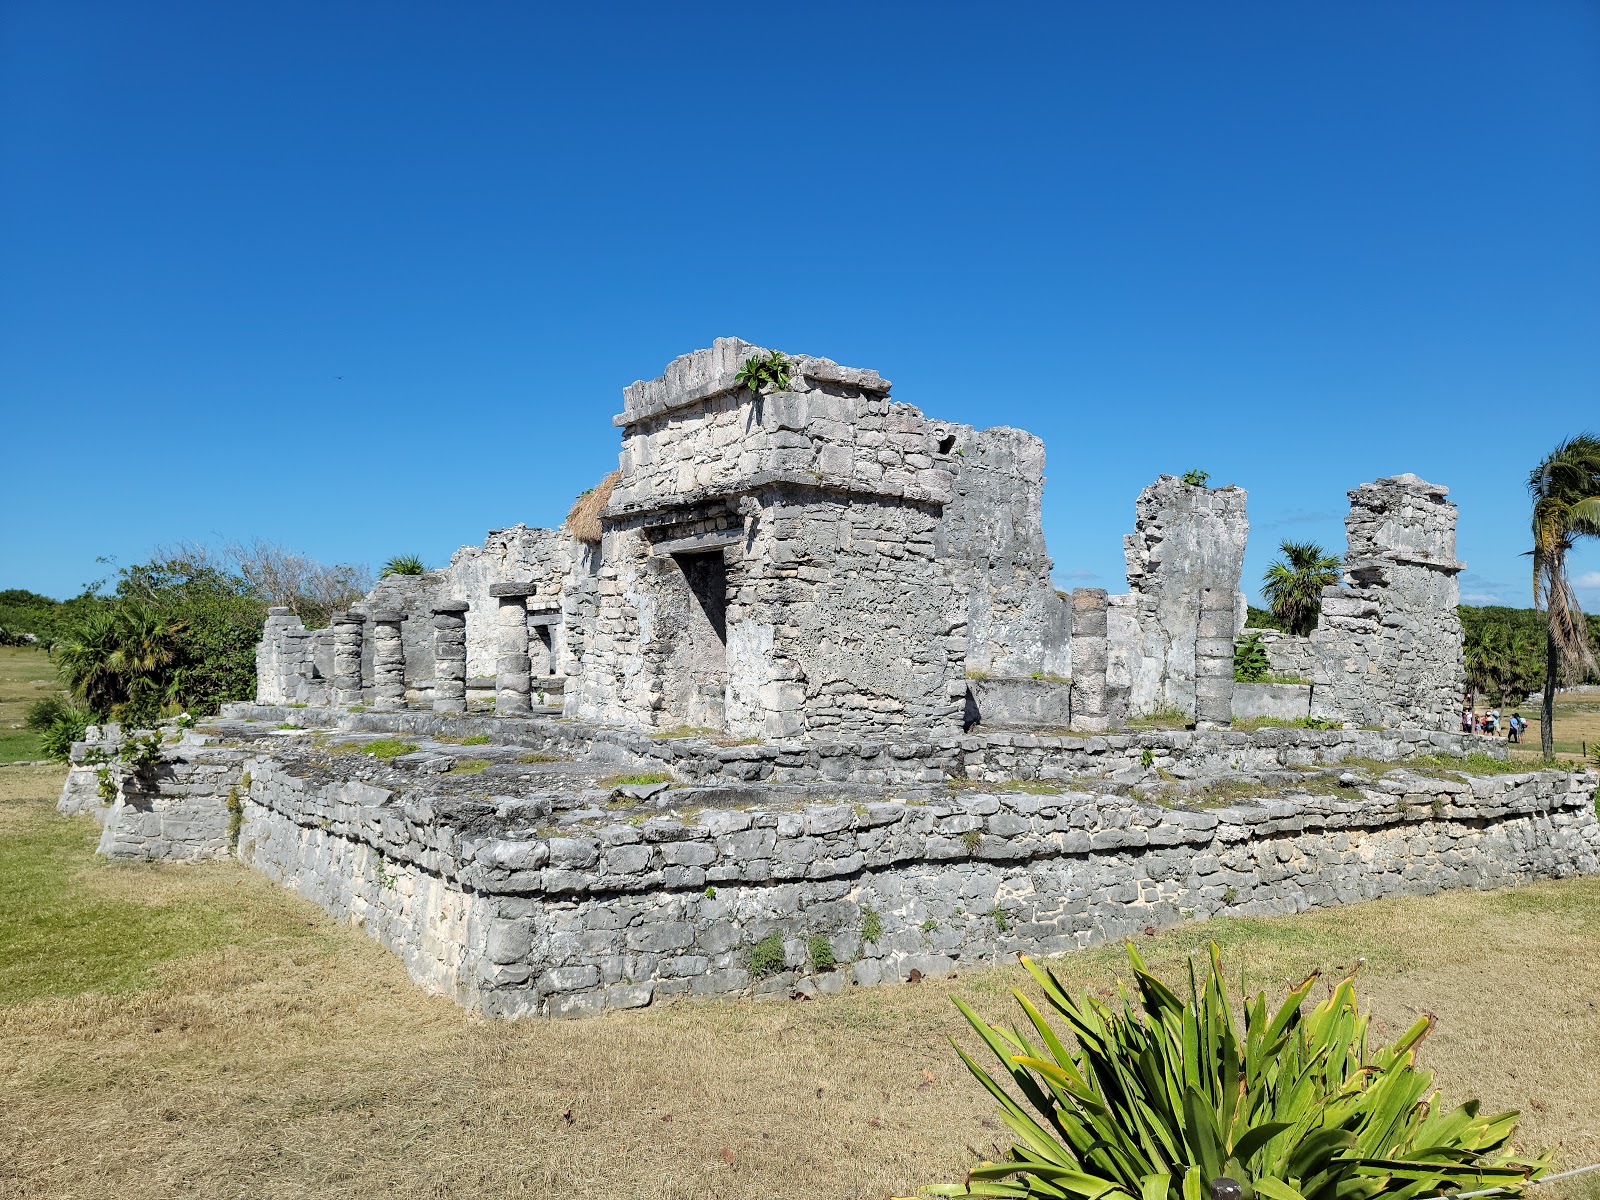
(196,1031)
(1577,727)
(26,675)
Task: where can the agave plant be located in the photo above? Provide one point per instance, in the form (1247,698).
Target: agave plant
(1158,1105)
(404,564)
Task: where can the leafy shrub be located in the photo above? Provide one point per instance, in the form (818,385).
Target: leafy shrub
(1195,478)
(59,723)
(871,925)
(1250,662)
(404,564)
(758,373)
(767,957)
(819,950)
(1156,1104)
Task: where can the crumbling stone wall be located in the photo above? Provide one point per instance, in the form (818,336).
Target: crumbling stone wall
(770,563)
(1187,541)
(522,922)
(1018,625)
(1388,644)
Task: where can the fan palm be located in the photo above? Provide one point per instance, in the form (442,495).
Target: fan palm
(116,657)
(404,564)
(1292,586)
(1566,506)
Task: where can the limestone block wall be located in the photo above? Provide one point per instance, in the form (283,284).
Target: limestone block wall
(868,627)
(695,433)
(1388,646)
(1187,541)
(544,556)
(519,921)
(992,539)
(838,617)
(174,811)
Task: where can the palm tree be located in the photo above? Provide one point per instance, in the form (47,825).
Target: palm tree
(1293,588)
(116,657)
(1566,506)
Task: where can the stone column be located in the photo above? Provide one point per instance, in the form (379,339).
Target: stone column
(512,666)
(450,656)
(388,660)
(1089,659)
(348,629)
(1213,660)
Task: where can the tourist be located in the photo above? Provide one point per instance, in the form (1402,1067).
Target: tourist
(1514,728)
(1466,718)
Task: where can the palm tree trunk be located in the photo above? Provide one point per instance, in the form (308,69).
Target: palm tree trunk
(1547,706)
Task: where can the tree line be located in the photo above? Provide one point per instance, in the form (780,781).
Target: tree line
(172,635)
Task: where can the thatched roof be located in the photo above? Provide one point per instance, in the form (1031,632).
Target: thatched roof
(583,522)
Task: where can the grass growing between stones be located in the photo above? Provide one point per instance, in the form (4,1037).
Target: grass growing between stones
(381,748)
(197,1031)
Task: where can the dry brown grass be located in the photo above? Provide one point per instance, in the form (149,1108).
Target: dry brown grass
(296,1060)
(583,521)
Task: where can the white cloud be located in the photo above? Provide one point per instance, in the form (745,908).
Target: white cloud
(1589,579)
(1481,598)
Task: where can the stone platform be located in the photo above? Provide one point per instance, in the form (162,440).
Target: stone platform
(530,875)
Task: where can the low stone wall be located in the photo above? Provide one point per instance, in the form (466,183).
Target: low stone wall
(177,811)
(1025,703)
(1279,701)
(490,903)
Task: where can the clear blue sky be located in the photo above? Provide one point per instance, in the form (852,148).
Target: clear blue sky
(366,279)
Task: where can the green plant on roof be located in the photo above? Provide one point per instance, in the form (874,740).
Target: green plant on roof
(1163,1096)
(759,373)
(403,564)
(1195,477)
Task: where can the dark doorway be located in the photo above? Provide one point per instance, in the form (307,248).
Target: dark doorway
(697,667)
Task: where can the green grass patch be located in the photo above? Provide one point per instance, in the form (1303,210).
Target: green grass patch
(540,758)
(19,745)
(685,731)
(71,924)
(477,739)
(1249,724)
(469,766)
(382,748)
(1035,787)
(634,780)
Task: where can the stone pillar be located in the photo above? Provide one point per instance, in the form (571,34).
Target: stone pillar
(348,629)
(388,660)
(1213,660)
(450,656)
(512,666)
(1089,659)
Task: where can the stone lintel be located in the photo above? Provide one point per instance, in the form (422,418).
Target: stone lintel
(450,606)
(521,587)
(348,617)
(387,615)
(719,540)
(802,480)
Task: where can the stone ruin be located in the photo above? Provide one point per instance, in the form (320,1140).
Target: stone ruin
(807,664)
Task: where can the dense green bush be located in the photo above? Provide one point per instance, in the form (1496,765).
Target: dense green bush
(59,722)
(1163,1096)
